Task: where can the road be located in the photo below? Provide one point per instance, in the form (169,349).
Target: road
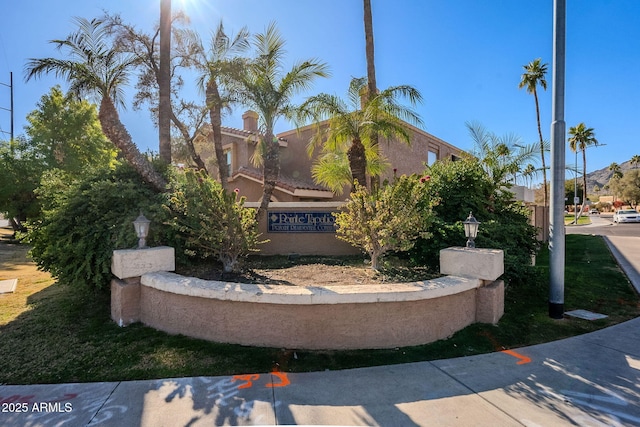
(602,225)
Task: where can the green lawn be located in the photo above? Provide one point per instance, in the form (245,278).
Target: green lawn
(50,333)
(583,220)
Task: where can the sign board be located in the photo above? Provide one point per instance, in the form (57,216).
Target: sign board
(576,200)
(301,222)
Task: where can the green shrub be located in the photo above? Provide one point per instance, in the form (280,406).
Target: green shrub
(82,223)
(212,222)
(455,189)
(389,219)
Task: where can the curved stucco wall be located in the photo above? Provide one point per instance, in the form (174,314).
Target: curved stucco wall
(331,317)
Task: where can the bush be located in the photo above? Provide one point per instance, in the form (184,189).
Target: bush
(389,219)
(455,189)
(212,222)
(82,223)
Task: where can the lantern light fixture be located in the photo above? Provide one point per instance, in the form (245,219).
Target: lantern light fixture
(471,230)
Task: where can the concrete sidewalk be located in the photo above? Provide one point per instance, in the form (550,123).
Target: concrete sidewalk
(592,380)
(589,380)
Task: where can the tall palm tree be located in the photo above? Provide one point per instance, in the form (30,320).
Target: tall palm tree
(215,67)
(534,75)
(164,83)
(581,138)
(635,160)
(351,128)
(265,88)
(93,66)
(372,87)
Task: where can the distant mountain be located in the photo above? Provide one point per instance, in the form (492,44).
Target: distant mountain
(601,177)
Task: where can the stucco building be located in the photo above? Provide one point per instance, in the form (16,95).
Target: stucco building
(296,183)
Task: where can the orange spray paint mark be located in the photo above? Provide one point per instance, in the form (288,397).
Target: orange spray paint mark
(284,380)
(523,359)
(248,378)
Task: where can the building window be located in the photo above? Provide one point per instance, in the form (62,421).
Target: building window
(227,155)
(432,156)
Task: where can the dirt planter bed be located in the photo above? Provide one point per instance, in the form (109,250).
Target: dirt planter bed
(295,317)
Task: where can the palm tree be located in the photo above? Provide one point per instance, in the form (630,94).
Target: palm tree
(267,90)
(372,87)
(581,138)
(351,128)
(94,66)
(615,178)
(502,157)
(164,83)
(533,76)
(616,170)
(215,67)
(635,160)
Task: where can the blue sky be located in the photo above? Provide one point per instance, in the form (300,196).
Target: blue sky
(465,57)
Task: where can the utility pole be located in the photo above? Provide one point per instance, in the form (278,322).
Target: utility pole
(10,109)
(558,136)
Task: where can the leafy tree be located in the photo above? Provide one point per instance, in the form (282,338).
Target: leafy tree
(93,65)
(268,90)
(386,219)
(83,221)
(213,222)
(66,133)
(185,115)
(351,126)
(581,138)
(454,189)
(629,187)
(216,67)
(534,75)
(20,170)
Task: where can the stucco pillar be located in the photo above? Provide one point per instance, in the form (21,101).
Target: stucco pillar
(127,266)
(486,265)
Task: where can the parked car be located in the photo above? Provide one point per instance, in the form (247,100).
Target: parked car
(626,215)
(594,212)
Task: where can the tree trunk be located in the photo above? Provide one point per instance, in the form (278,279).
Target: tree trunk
(584,179)
(271,170)
(164,83)
(188,140)
(371,73)
(119,136)
(545,221)
(357,163)
(215,116)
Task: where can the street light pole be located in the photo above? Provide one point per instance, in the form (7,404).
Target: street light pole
(164,82)
(558,135)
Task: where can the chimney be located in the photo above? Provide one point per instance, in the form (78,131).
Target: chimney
(250,121)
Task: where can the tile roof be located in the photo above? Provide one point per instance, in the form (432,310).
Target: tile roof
(285,182)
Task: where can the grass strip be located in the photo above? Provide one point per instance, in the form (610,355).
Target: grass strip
(50,333)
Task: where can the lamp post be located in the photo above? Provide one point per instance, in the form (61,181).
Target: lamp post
(471,230)
(141,225)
